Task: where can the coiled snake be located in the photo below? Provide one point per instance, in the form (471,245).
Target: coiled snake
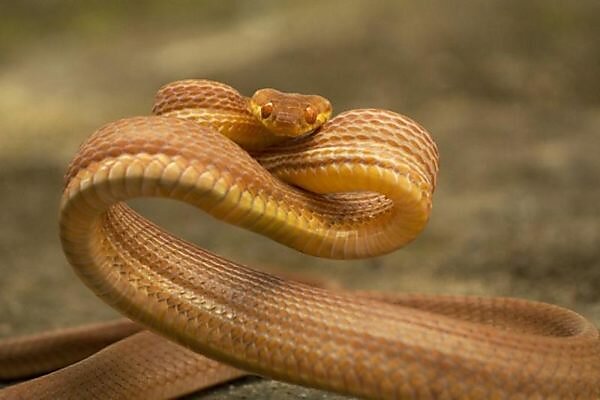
(357,185)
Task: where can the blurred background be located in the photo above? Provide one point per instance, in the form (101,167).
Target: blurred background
(509,89)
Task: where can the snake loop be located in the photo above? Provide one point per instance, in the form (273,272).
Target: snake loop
(357,185)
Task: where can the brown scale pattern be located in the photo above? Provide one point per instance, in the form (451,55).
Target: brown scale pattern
(376,172)
(185,139)
(142,366)
(40,353)
(268,303)
(195,93)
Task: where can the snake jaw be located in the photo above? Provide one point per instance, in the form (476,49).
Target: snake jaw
(289,114)
(324,116)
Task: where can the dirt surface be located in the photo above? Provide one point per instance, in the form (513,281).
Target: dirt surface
(509,89)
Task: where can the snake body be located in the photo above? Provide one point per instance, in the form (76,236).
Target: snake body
(360,185)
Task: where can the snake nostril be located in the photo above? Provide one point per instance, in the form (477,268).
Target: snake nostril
(266,110)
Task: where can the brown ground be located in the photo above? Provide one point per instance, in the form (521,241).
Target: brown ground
(509,89)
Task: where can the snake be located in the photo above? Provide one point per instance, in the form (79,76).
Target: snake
(356,185)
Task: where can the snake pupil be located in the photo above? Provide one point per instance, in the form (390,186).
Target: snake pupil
(266,110)
(310,115)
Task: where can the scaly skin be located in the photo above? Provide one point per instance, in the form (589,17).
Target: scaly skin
(368,345)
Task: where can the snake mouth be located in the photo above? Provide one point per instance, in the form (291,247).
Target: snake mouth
(288,124)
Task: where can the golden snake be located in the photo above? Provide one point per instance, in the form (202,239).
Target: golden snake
(357,185)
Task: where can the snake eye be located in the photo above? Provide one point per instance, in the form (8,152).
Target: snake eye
(266,110)
(310,115)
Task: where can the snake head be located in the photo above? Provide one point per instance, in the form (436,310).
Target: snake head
(289,114)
